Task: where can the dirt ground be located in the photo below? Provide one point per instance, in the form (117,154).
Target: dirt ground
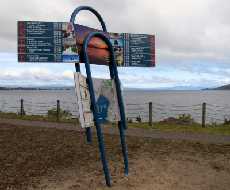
(47,158)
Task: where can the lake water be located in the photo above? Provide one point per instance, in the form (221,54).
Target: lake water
(165,103)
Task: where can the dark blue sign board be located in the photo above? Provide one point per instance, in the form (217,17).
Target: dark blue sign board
(46,42)
(139,50)
(56,42)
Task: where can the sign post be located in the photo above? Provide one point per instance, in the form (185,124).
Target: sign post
(77,65)
(69,42)
(122,122)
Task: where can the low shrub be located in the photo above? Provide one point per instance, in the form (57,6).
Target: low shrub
(138,119)
(182,119)
(226,121)
(63,114)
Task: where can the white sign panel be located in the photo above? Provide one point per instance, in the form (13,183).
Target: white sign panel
(106,100)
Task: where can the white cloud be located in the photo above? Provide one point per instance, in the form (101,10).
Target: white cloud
(163,76)
(190,29)
(192,39)
(34,75)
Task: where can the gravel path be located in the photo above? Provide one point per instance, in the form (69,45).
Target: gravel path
(136,132)
(38,155)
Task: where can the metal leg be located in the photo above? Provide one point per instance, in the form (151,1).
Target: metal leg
(122,123)
(88,129)
(88,135)
(124,148)
(91,90)
(102,154)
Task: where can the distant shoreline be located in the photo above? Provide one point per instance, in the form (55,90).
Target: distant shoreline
(224,87)
(125,89)
(34,88)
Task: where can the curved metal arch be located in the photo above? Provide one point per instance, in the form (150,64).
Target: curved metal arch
(113,75)
(77,65)
(88,8)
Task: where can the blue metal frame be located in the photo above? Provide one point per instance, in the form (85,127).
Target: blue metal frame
(87,8)
(77,65)
(122,123)
(114,75)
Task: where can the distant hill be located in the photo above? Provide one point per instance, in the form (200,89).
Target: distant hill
(224,87)
(175,88)
(36,88)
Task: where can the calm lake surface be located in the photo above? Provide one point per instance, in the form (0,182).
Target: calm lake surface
(165,103)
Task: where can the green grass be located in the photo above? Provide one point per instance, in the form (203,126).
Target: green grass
(192,128)
(167,127)
(35,118)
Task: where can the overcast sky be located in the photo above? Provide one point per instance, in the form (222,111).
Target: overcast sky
(192,40)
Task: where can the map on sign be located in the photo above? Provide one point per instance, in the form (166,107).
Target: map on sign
(106,100)
(57,42)
(46,42)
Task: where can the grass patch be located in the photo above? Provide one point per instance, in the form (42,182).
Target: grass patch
(193,128)
(222,129)
(49,118)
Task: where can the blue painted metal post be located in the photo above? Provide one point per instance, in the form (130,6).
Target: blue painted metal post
(114,75)
(87,8)
(94,110)
(122,123)
(77,65)
(124,149)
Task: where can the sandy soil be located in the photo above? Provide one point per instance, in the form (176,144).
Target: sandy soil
(43,158)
